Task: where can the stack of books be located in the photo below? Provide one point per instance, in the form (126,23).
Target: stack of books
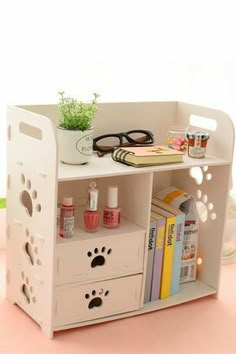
(164,251)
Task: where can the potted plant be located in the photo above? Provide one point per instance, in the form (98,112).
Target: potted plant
(75,130)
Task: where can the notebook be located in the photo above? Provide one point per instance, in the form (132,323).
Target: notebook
(140,156)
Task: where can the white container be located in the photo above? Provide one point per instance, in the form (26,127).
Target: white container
(75,146)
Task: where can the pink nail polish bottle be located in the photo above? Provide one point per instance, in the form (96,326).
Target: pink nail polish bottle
(111,213)
(91,214)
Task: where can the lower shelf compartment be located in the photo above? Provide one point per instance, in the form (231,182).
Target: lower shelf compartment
(188,292)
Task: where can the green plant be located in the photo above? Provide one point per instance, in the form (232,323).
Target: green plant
(75,114)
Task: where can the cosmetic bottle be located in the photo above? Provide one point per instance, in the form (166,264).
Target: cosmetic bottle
(111,213)
(197,142)
(91,214)
(67,218)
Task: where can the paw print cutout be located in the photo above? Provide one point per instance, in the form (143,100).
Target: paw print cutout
(27,290)
(200,174)
(31,250)
(98,257)
(205,208)
(28,197)
(96,301)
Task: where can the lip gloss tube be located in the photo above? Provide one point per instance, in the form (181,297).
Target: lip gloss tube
(111,213)
(91,214)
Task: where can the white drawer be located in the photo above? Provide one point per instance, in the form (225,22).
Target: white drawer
(77,303)
(98,258)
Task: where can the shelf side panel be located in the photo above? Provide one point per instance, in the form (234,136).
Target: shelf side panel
(209,186)
(31,213)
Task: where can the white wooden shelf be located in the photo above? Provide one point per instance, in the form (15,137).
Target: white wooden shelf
(105,166)
(57,281)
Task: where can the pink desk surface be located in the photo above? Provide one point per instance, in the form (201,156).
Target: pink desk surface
(205,326)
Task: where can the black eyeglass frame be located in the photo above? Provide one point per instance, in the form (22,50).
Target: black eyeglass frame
(148,136)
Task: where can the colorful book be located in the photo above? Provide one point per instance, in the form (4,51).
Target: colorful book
(178,248)
(166,273)
(139,156)
(150,259)
(158,255)
(186,203)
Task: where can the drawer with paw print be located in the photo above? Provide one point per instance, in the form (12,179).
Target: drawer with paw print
(77,303)
(101,256)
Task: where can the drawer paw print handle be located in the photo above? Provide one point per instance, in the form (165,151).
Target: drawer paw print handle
(98,257)
(96,301)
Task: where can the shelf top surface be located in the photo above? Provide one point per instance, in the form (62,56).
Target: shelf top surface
(105,167)
(126,229)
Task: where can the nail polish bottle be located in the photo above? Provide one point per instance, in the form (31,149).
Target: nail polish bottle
(111,213)
(91,214)
(67,218)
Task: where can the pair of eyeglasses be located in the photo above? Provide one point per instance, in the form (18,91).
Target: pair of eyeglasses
(107,143)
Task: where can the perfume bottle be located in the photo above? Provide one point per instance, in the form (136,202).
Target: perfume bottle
(111,213)
(91,214)
(67,218)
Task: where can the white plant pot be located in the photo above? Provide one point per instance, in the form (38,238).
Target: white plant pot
(75,146)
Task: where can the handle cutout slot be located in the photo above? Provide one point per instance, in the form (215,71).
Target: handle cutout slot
(31,131)
(203,122)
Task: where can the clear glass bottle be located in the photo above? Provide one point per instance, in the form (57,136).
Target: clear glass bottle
(177,138)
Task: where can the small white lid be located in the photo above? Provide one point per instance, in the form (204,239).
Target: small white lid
(112,199)
(67,201)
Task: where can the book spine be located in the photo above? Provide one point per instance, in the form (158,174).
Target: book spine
(120,154)
(151,249)
(158,258)
(177,258)
(168,257)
